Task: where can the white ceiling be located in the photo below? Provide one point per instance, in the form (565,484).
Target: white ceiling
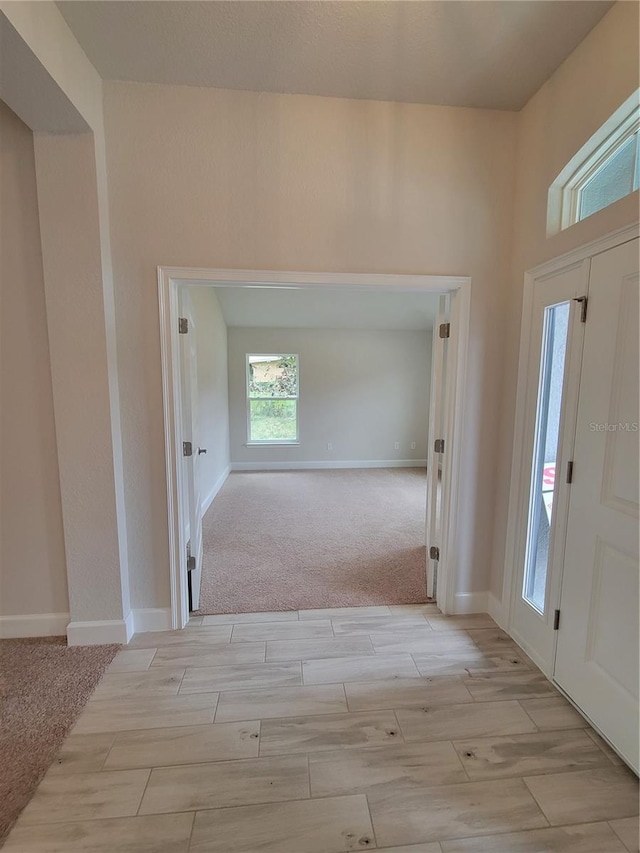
(324,308)
(494,54)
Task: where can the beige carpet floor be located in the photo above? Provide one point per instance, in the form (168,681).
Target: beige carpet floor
(43,687)
(290,540)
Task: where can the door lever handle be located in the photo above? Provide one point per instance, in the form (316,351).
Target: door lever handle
(202,450)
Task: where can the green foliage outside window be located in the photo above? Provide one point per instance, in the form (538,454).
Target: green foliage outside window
(274,378)
(272,384)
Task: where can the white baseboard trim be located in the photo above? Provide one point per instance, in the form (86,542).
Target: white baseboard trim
(119,630)
(329,463)
(496,610)
(151,619)
(206,503)
(86,633)
(100,632)
(544,666)
(34,625)
(129,625)
(470,602)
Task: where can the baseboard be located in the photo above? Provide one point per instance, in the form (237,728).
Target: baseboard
(34,625)
(86,633)
(100,632)
(329,463)
(206,503)
(542,665)
(470,602)
(151,619)
(129,624)
(496,610)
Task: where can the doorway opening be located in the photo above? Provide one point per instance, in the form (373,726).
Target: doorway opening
(451,298)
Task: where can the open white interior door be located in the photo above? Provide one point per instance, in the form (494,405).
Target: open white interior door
(437,431)
(192,499)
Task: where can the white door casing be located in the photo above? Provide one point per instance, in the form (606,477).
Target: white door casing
(437,411)
(171,281)
(597,652)
(190,431)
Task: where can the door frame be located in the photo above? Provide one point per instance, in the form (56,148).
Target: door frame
(188,364)
(436,408)
(528,373)
(170,279)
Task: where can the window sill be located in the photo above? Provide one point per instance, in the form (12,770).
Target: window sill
(274,443)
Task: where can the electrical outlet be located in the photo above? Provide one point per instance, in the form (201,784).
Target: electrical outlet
(413,445)
(396,446)
(329,445)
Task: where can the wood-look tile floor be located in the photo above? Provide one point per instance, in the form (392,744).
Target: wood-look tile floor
(387,728)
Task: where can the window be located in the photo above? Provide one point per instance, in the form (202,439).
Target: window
(554,347)
(605,170)
(272,399)
(615,177)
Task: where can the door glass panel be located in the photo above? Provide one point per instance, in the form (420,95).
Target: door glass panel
(554,346)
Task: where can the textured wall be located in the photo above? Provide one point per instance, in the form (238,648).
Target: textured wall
(72,261)
(213,385)
(32,557)
(76,260)
(360,390)
(212,178)
(236,179)
(583,93)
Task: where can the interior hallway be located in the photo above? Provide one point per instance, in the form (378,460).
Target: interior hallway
(285,540)
(327,732)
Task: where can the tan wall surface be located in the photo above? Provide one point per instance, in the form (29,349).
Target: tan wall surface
(361,390)
(52,69)
(582,94)
(212,178)
(32,567)
(204,177)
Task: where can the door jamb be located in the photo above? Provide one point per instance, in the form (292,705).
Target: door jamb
(435,408)
(518,500)
(171,278)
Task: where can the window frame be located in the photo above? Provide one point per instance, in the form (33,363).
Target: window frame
(593,165)
(271,442)
(540,427)
(564,193)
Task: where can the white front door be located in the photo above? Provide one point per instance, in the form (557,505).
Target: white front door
(597,651)
(192,498)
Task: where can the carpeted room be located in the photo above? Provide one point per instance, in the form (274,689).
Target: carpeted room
(313,410)
(292,540)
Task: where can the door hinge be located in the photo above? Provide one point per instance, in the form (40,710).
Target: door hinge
(556,620)
(187,448)
(569,478)
(445,330)
(183,325)
(583,307)
(438,445)
(191,564)
(434,552)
